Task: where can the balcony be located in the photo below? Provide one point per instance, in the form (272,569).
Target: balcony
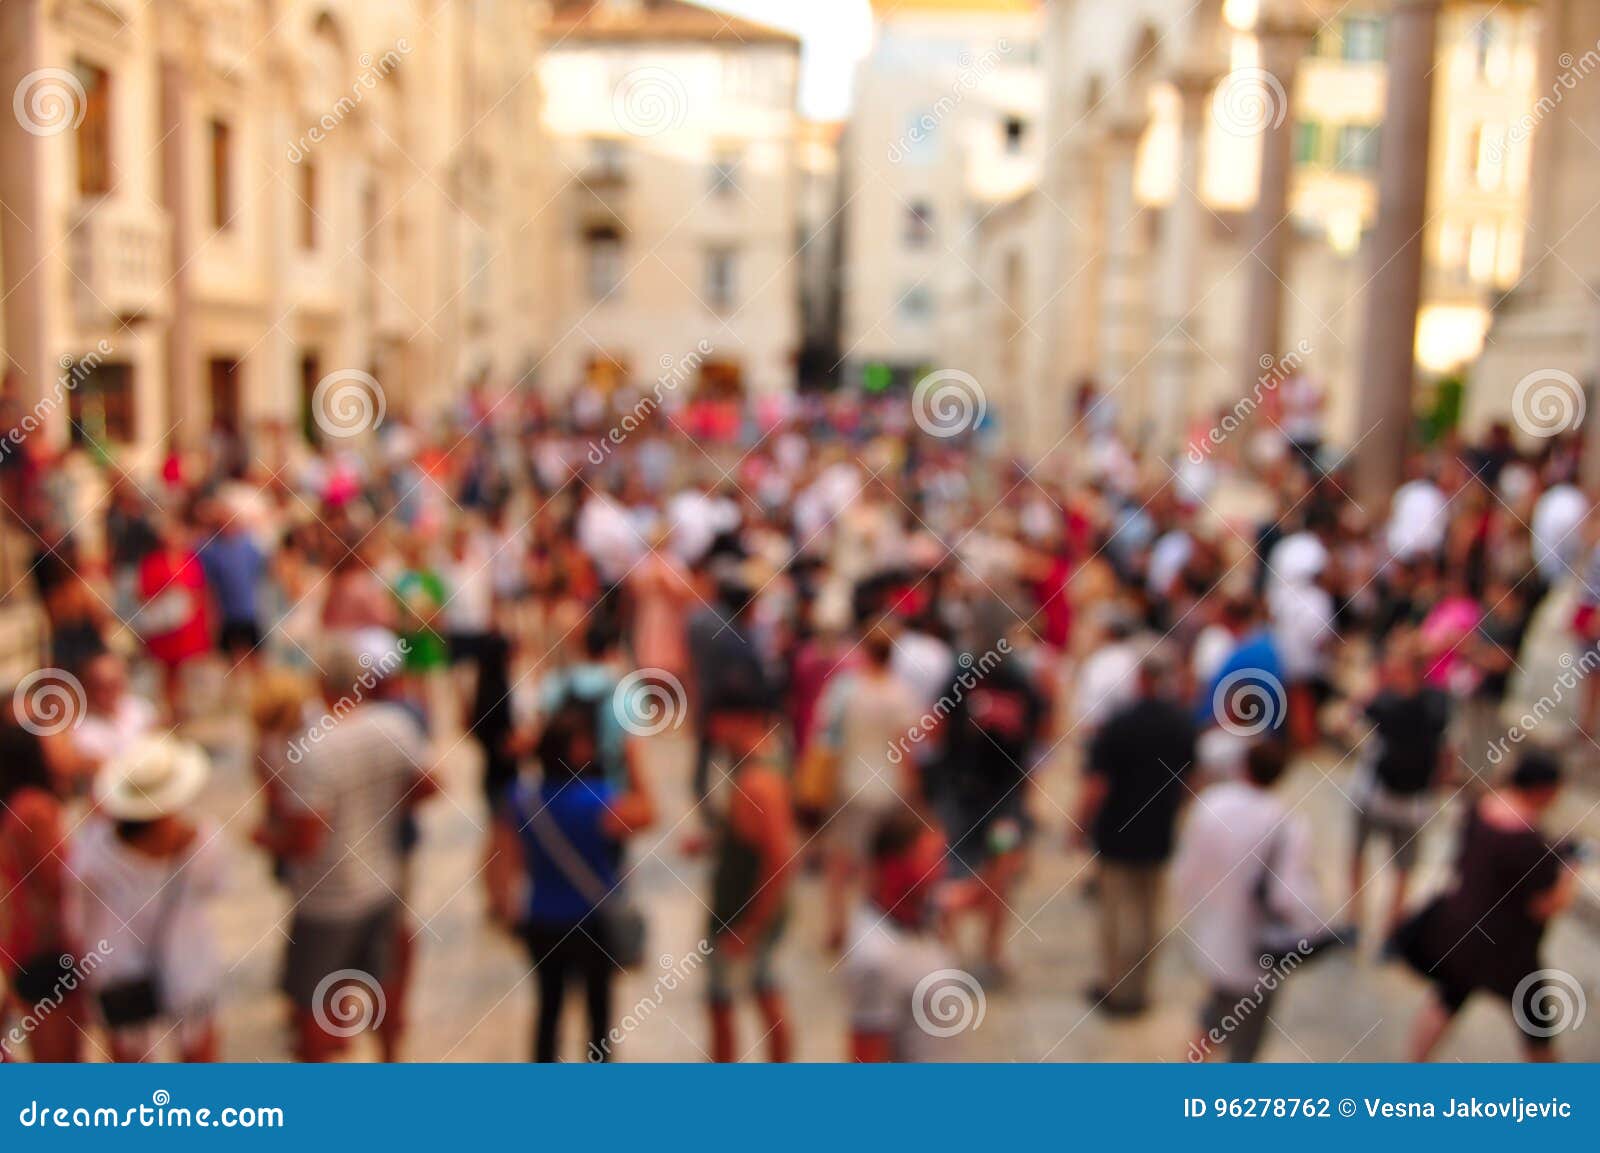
(120,255)
(599,196)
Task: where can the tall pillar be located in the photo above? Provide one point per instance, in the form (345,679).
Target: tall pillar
(1122,304)
(1182,243)
(23,234)
(177,142)
(1394,291)
(1282,41)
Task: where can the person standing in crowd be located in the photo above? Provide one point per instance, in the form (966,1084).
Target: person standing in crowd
(561,836)
(1134,786)
(865,715)
(1245,890)
(753,856)
(114,716)
(1407,755)
(1484,933)
(174,615)
(893,950)
(234,566)
(34,878)
(346,797)
(148,871)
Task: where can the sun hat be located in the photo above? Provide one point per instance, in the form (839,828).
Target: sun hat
(156,777)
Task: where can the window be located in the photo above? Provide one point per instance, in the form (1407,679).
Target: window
(94,133)
(1488,144)
(1016,131)
(1481,261)
(725,171)
(221,175)
(101,407)
(605,160)
(1307,142)
(919,224)
(1363,39)
(1358,148)
(308,206)
(919,143)
(603,262)
(916,305)
(721,268)
(1491,55)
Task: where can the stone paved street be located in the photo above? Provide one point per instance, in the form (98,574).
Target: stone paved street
(472,999)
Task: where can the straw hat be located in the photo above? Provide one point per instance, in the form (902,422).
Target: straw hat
(156,777)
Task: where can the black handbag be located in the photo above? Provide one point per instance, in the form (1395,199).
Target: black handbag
(140,1000)
(621,927)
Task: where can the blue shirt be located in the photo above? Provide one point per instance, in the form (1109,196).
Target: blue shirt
(233,566)
(577,808)
(1254,665)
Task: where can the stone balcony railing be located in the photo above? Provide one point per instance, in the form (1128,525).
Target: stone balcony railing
(120,257)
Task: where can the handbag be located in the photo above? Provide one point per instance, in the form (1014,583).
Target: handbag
(622,927)
(139,1000)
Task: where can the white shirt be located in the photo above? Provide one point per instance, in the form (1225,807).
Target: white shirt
(152,914)
(1233,835)
(469,590)
(1556,522)
(1107,681)
(97,736)
(1417,520)
(926,664)
(1302,628)
(888,974)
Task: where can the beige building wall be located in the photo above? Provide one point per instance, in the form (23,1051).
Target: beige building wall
(673,200)
(286,190)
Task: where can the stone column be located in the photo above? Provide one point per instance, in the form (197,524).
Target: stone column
(1388,353)
(1182,245)
(1122,303)
(176,132)
(23,231)
(1283,41)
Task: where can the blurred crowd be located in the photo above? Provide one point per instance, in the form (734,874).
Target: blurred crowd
(901,660)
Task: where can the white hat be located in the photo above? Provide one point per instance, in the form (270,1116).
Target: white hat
(156,777)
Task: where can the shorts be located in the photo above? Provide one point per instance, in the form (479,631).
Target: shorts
(995,830)
(319,948)
(755,965)
(1401,830)
(1236,1022)
(239,636)
(1525,1013)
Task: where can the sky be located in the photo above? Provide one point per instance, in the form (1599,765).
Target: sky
(836,35)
